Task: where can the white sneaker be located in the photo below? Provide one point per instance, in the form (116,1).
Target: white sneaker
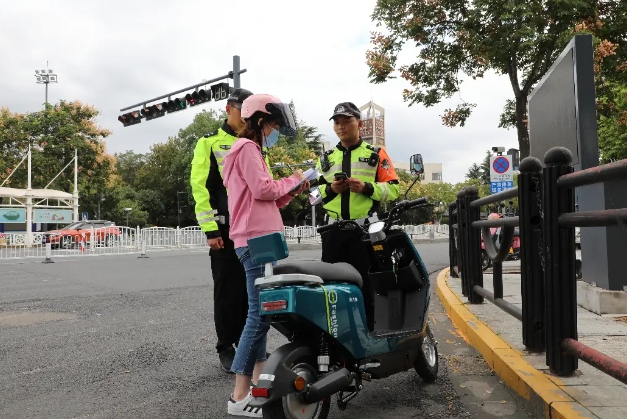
(242,408)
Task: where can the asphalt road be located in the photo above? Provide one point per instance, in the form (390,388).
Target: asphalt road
(122,337)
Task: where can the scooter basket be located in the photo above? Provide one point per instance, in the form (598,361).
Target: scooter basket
(408,280)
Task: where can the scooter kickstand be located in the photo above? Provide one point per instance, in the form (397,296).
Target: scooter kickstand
(342,402)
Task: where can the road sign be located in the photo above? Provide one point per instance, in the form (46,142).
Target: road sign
(85,216)
(501,186)
(501,169)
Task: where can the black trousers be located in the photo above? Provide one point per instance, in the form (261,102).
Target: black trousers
(346,246)
(230,298)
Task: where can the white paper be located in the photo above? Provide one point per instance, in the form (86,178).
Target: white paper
(311,174)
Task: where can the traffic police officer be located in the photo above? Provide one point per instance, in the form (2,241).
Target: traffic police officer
(370,180)
(229,279)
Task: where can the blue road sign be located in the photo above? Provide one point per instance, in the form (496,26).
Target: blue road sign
(501,186)
(85,216)
(501,164)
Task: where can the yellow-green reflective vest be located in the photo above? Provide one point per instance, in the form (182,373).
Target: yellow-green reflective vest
(210,194)
(369,164)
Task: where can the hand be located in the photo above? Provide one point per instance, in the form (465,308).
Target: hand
(355,185)
(303,187)
(339,186)
(299,174)
(216,243)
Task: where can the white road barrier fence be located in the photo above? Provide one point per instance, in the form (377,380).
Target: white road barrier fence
(126,240)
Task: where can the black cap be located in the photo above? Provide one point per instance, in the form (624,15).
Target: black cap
(239,95)
(346,109)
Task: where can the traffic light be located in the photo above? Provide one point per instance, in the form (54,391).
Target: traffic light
(130,118)
(154,111)
(196,98)
(179,104)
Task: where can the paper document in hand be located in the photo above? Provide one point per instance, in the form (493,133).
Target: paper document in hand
(310,175)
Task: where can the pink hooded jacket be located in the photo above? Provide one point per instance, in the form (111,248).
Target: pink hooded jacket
(254,197)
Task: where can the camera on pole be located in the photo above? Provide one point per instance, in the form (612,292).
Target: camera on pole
(219,91)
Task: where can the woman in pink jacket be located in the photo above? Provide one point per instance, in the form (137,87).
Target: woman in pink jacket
(254,202)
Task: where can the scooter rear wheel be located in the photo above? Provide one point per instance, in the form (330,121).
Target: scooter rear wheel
(426,364)
(291,406)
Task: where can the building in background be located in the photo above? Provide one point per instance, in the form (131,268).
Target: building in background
(373,129)
(432,174)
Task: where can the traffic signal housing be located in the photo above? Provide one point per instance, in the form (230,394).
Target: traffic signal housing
(154,111)
(198,97)
(130,118)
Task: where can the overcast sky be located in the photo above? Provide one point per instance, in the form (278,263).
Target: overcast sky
(112,54)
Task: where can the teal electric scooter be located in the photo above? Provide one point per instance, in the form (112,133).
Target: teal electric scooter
(319,308)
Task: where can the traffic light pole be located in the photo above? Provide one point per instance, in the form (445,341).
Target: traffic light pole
(234,74)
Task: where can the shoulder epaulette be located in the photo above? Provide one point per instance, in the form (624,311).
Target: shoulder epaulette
(211,134)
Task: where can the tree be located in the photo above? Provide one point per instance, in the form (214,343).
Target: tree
(128,164)
(520,39)
(485,169)
(610,68)
(474,172)
(54,134)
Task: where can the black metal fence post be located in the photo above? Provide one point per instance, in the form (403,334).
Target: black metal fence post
(473,241)
(531,261)
(452,240)
(559,259)
(462,243)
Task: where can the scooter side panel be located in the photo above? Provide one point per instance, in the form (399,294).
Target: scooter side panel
(337,309)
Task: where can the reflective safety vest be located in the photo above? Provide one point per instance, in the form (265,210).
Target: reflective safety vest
(371,165)
(210,194)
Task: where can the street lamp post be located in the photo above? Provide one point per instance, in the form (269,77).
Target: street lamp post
(178,205)
(127,211)
(45,77)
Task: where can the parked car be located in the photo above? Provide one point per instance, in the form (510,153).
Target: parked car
(106,233)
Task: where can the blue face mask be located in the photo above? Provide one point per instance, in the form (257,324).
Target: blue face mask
(272,138)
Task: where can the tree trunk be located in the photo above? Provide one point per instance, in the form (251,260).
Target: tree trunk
(522,126)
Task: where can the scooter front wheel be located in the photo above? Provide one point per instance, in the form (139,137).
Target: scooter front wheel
(292,405)
(426,364)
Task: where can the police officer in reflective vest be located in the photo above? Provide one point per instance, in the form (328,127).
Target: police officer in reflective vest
(370,180)
(229,279)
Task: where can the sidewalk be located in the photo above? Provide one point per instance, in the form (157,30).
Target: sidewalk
(498,337)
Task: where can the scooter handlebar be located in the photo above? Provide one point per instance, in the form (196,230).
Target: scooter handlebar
(326,228)
(405,205)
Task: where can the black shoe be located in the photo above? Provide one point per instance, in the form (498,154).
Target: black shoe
(226,359)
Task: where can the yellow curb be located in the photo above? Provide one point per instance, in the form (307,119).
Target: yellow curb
(546,397)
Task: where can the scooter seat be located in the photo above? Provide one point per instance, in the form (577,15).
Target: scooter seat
(328,272)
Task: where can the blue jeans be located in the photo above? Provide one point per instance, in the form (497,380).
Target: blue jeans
(252,344)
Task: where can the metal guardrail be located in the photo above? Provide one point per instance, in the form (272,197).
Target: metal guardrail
(547,224)
(127,240)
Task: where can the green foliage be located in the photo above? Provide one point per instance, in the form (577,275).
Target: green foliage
(54,134)
(461,37)
(474,172)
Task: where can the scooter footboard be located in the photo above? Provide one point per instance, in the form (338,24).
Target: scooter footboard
(277,379)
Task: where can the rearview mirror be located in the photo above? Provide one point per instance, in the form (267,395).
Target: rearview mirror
(415,164)
(315,197)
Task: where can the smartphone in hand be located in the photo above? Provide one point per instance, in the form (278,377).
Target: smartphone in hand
(340,176)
